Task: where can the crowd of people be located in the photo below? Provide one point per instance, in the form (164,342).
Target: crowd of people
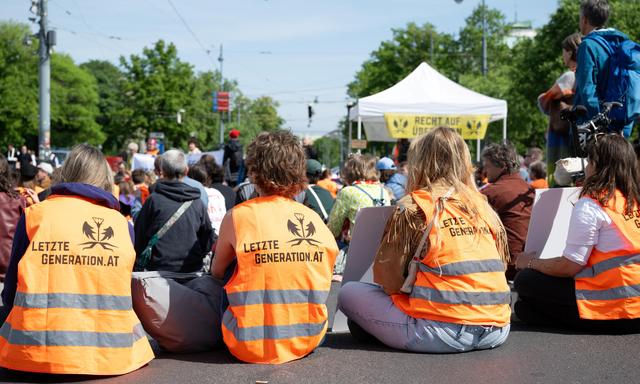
(258,239)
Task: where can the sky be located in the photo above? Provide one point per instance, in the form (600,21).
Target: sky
(295,51)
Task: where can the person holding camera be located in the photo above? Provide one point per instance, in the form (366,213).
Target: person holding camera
(592,286)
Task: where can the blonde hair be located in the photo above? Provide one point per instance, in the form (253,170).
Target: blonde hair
(440,160)
(360,167)
(86,164)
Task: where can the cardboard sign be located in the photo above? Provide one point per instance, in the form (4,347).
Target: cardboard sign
(365,239)
(549,224)
(407,126)
(195,157)
(142,161)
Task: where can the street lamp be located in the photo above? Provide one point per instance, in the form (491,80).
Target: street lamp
(484,36)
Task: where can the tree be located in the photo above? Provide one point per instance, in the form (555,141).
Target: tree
(110,84)
(18,86)
(74,104)
(158,85)
(328,149)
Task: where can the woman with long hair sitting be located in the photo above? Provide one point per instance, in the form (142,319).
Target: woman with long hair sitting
(593,285)
(456,296)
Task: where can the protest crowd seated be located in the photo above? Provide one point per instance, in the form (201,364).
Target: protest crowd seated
(245,242)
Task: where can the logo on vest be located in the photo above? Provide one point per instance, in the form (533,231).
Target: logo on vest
(303,233)
(96,237)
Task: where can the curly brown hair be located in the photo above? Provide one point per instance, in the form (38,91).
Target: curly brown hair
(502,156)
(360,167)
(276,164)
(616,168)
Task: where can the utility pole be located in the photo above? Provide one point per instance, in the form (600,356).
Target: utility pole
(484,39)
(47,39)
(221,60)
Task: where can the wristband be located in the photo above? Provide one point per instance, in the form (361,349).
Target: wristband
(529,264)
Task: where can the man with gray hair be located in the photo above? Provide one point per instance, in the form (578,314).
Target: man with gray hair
(187,241)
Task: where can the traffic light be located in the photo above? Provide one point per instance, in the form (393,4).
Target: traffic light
(310,111)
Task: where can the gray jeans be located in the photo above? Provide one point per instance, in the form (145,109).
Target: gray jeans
(373,310)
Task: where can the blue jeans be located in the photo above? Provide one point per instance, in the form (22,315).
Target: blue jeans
(373,310)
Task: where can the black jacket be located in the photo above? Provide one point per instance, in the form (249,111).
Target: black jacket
(190,238)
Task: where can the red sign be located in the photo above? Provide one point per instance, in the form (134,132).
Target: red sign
(223,101)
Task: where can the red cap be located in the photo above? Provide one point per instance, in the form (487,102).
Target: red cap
(234,134)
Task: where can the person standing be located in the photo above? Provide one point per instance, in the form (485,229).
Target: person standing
(13,205)
(509,195)
(281,254)
(193,146)
(593,68)
(558,98)
(232,159)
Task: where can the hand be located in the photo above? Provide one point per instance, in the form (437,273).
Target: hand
(522,259)
(33,195)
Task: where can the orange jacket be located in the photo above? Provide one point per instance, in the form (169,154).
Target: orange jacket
(606,289)
(461,279)
(72,312)
(277,295)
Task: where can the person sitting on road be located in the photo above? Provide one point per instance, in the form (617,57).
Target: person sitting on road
(538,173)
(509,195)
(185,244)
(395,181)
(317,198)
(592,286)
(456,297)
(68,286)
(283,255)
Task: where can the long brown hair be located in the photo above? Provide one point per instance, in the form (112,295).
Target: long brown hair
(615,168)
(440,160)
(7,183)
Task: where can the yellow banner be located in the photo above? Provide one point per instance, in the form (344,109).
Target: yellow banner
(406,126)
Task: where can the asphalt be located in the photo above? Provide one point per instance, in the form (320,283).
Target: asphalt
(530,355)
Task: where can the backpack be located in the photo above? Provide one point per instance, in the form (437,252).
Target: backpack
(376,202)
(623,82)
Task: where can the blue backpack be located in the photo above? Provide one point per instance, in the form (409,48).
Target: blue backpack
(623,84)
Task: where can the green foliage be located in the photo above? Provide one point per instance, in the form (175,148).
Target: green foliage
(328,149)
(74,104)
(18,85)
(517,74)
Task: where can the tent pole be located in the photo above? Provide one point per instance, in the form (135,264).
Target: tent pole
(478,149)
(359,130)
(504,128)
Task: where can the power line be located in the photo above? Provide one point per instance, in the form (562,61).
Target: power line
(195,37)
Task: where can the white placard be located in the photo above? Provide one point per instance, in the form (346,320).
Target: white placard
(193,158)
(365,239)
(143,161)
(549,224)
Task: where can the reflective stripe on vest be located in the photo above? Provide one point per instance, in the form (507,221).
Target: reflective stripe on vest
(459,297)
(71,338)
(616,293)
(608,287)
(72,300)
(465,267)
(609,264)
(271,332)
(279,296)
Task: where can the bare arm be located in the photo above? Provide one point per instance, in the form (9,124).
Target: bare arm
(557,266)
(225,248)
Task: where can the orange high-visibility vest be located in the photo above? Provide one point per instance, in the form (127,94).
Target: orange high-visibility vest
(72,312)
(277,295)
(461,279)
(608,288)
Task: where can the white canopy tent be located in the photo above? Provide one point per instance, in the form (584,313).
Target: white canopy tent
(424,92)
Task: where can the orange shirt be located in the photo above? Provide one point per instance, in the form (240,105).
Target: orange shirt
(329,185)
(539,184)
